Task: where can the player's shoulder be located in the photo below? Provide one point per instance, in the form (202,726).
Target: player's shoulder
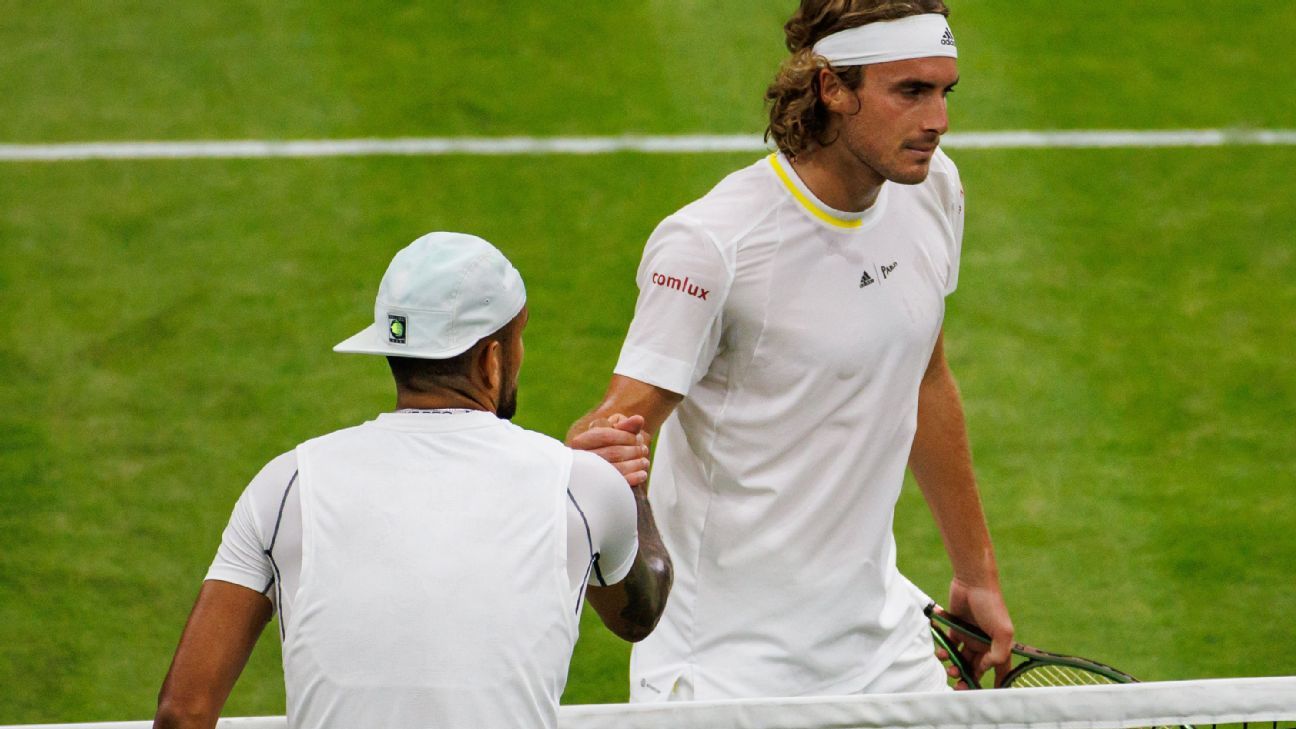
(732,207)
(588,475)
(746,188)
(277,470)
(591,470)
(598,490)
(944,174)
(265,493)
(330,440)
(943,182)
(942,164)
(534,444)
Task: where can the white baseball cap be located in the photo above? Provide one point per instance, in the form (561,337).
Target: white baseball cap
(441,295)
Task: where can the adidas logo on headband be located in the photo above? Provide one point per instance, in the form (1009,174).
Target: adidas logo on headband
(915,36)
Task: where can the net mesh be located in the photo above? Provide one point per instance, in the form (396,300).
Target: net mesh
(1255,702)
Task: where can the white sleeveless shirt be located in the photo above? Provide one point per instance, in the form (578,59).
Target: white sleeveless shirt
(434,588)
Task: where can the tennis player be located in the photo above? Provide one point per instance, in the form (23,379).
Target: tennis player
(427,566)
(788,345)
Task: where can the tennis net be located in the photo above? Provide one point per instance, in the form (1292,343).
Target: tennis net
(1250,702)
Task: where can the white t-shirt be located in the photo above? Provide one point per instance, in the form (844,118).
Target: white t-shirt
(427,524)
(799,335)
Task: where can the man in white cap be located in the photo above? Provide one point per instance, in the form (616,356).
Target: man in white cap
(788,344)
(427,566)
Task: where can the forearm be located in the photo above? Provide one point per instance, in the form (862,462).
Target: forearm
(172,717)
(632,607)
(620,429)
(222,630)
(941,462)
(649,582)
(629,397)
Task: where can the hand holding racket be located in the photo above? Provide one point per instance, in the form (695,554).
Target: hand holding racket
(984,606)
(1041,668)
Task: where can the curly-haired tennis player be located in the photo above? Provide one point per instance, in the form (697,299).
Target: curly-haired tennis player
(787,350)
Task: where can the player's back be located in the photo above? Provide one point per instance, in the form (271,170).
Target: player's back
(434,589)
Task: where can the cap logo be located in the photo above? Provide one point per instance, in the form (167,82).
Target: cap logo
(395,329)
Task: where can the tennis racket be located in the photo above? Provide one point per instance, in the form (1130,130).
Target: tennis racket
(1041,668)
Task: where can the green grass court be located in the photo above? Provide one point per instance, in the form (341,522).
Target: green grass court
(1122,332)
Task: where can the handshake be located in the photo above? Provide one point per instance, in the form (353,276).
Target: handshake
(620,440)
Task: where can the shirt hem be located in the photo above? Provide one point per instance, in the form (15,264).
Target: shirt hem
(242,579)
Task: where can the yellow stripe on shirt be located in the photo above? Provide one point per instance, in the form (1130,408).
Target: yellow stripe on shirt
(806,202)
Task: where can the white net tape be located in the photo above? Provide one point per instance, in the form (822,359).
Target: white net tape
(1120,706)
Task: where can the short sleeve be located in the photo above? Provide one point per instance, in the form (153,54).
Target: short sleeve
(683,280)
(241,557)
(609,518)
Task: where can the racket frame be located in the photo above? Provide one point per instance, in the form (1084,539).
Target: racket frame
(942,620)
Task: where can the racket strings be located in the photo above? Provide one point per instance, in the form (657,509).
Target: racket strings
(1041,675)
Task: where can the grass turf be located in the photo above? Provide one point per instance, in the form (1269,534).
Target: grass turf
(126,69)
(1119,332)
(1117,346)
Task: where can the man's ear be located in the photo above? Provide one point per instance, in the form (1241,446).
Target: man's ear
(832,92)
(490,365)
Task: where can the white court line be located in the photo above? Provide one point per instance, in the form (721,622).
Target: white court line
(681,144)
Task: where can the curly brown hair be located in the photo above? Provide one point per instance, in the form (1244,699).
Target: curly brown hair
(797,117)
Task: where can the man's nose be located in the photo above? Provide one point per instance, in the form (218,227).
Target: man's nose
(937,116)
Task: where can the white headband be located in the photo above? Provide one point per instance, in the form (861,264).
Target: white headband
(915,36)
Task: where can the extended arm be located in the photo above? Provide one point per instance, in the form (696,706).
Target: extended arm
(629,396)
(223,628)
(941,461)
(619,430)
(632,607)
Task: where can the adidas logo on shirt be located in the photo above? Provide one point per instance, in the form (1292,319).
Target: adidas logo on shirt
(887,270)
(948,39)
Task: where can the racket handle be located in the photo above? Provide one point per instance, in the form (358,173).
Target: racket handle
(940,615)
